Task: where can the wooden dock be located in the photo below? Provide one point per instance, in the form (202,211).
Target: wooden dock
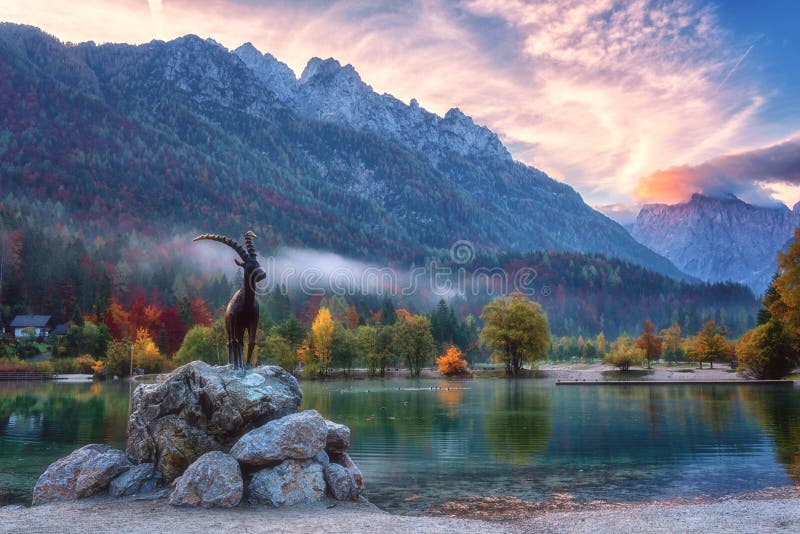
(674,382)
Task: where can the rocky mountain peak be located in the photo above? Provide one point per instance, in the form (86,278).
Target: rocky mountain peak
(718,237)
(274,74)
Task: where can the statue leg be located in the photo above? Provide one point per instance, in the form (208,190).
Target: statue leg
(230,352)
(241,350)
(250,346)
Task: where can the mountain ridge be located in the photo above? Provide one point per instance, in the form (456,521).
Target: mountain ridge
(185,133)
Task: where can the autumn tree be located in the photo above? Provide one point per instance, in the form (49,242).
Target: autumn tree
(650,344)
(352,317)
(710,344)
(673,343)
(624,353)
(146,354)
(413,342)
(766,352)
(516,331)
(601,343)
(450,363)
(785,306)
(320,341)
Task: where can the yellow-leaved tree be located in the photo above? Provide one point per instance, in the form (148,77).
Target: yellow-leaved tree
(146,354)
(317,354)
(451,363)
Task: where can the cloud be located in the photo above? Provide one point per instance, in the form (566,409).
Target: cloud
(762,175)
(595,92)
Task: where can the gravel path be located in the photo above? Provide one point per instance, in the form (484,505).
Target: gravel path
(128,516)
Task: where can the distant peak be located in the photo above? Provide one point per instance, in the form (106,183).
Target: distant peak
(720,196)
(248,47)
(325,69)
(455,114)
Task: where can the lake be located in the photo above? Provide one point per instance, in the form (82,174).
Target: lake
(422,442)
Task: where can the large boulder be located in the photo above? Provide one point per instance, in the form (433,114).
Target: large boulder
(291,482)
(345,461)
(341,482)
(213,481)
(338,439)
(138,480)
(84,472)
(296,436)
(199,408)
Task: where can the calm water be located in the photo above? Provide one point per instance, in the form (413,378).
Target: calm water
(427,441)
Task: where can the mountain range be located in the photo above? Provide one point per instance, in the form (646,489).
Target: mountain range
(719,238)
(186,135)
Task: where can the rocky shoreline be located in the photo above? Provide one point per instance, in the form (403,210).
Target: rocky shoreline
(212,437)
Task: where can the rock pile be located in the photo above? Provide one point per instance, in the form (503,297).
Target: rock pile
(215,438)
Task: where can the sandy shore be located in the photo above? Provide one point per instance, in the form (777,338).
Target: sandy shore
(103,514)
(591,372)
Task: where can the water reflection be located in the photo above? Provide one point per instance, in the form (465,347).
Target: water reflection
(42,421)
(425,441)
(778,414)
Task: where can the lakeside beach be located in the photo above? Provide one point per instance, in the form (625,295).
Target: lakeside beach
(103,514)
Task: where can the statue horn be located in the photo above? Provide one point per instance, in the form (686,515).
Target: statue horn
(226,240)
(248,241)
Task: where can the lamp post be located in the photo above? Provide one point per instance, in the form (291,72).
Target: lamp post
(132,346)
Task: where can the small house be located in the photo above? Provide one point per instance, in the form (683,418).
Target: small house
(31,325)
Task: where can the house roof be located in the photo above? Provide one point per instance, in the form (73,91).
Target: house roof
(30,321)
(60,330)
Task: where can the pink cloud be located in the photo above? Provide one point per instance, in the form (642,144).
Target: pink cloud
(769,172)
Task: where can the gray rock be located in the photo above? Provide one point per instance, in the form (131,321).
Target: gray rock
(84,472)
(199,408)
(138,480)
(338,437)
(345,461)
(322,458)
(341,482)
(297,436)
(213,481)
(291,482)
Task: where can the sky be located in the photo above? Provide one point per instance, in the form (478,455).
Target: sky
(629,102)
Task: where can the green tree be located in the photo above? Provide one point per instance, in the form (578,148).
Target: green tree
(413,342)
(278,350)
(366,339)
(388,312)
(118,358)
(293,331)
(198,344)
(343,350)
(516,331)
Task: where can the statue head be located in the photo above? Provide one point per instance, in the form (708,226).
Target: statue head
(252,269)
(248,257)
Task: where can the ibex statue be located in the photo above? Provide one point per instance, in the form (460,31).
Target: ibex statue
(242,311)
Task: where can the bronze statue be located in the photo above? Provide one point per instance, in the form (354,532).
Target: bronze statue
(242,311)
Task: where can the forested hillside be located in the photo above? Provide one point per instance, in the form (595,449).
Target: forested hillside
(113,156)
